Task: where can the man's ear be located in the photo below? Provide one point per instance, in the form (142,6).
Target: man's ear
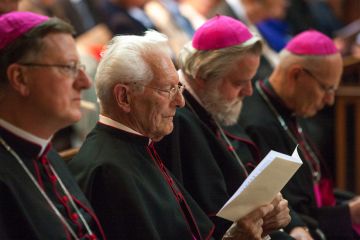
(17,79)
(293,78)
(294,73)
(122,97)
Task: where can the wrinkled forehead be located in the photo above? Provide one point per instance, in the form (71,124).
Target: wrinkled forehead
(328,69)
(59,45)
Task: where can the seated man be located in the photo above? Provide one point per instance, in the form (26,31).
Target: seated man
(41,80)
(118,167)
(303,83)
(216,68)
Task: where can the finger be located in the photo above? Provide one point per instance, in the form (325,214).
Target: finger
(276,223)
(266,209)
(283,204)
(277,199)
(258,213)
(281,208)
(260,222)
(244,229)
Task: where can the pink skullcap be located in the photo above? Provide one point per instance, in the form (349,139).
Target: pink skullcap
(221,32)
(311,42)
(14,24)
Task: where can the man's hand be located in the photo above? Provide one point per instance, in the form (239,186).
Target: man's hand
(354,205)
(250,226)
(279,217)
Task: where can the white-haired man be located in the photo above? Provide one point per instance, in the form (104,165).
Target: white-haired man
(133,193)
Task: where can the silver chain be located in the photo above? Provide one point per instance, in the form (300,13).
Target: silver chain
(316,174)
(224,137)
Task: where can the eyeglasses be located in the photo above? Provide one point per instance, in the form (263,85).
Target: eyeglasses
(172,91)
(326,89)
(70,70)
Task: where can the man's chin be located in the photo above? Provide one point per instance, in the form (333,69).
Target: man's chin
(164,133)
(307,114)
(227,121)
(228,118)
(72,118)
(76,116)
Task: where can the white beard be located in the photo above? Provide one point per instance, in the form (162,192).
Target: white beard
(226,113)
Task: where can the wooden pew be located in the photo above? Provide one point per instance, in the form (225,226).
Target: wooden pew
(347,127)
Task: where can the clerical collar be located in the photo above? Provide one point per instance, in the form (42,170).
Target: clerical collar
(108,121)
(112,123)
(25,135)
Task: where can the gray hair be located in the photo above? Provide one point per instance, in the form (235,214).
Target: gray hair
(125,61)
(214,64)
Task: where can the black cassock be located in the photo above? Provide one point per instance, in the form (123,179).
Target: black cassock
(132,192)
(200,157)
(264,128)
(24,212)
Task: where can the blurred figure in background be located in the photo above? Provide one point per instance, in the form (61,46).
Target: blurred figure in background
(197,11)
(8,5)
(252,12)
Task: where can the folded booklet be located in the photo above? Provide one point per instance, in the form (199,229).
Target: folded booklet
(262,185)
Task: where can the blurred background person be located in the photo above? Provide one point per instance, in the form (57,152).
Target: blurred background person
(8,5)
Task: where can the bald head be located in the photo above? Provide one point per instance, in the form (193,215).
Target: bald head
(308,73)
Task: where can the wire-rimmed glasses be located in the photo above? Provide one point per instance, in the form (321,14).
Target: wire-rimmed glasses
(179,88)
(71,70)
(326,89)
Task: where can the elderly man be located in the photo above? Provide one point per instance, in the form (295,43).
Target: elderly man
(41,80)
(303,83)
(131,190)
(217,68)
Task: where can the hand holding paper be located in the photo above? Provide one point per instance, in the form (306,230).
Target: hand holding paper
(250,226)
(279,217)
(262,185)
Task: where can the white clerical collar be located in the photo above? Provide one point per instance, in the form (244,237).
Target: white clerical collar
(25,135)
(108,121)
